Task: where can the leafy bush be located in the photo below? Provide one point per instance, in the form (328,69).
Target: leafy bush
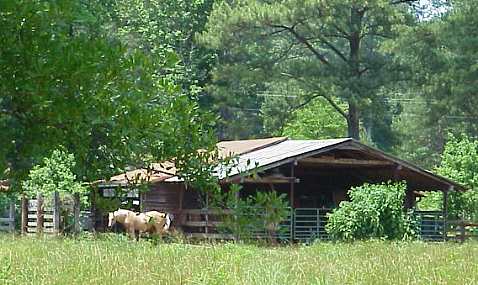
(262,212)
(459,162)
(54,174)
(374,211)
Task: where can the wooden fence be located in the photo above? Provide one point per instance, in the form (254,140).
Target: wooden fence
(462,230)
(7,223)
(44,216)
(209,224)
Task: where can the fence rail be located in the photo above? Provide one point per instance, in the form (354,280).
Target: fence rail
(462,230)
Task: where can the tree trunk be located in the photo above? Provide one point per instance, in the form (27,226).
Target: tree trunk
(353,122)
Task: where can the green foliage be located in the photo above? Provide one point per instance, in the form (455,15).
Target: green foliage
(68,78)
(158,27)
(251,215)
(374,211)
(460,163)
(55,174)
(438,59)
(317,120)
(329,49)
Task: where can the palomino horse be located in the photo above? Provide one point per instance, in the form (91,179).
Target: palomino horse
(151,222)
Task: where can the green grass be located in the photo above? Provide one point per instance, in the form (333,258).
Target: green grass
(119,261)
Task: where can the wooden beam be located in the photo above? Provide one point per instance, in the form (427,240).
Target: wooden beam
(264,180)
(344,161)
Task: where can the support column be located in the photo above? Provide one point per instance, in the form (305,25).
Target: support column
(291,199)
(292,182)
(445,211)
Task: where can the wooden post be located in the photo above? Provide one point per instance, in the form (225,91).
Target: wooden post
(56,213)
(292,182)
(11,216)
(93,208)
(40,215)
(206,230)
(462,230)
(292,190)
(445,212)
(24,212)
(179,219)
(76,212)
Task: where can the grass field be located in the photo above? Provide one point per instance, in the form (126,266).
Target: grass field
(119,261)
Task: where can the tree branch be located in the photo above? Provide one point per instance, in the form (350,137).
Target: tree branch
(328,98)
(334,49)
(304,41)
(403,2)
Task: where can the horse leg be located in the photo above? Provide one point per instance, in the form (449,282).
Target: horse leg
(131,232)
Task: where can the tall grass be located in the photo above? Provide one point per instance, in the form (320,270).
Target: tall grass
(119,261)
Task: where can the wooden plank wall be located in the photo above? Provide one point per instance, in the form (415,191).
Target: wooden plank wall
(162,197)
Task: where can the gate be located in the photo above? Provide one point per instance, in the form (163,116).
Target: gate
(50,215)
(7,218)
(432,225)
(309,224)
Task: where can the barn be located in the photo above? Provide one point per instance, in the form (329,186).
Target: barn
(314,174)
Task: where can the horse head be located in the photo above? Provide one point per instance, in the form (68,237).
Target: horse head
(112,219)
(169,218)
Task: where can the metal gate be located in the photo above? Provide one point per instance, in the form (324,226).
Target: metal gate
(309,224)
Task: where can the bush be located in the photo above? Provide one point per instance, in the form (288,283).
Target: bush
(55,174)
(262,212)
(374,211)
(459,162)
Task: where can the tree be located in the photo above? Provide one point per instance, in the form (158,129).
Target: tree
(317,120)
(331,48)
(159,27)
(65,80)
(438,57)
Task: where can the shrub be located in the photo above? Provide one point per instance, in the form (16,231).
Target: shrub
(459,162)
(55,174)
(374,211)
(262,212)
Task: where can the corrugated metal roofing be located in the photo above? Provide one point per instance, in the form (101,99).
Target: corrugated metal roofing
(231,148)
(274,154)
(158,172)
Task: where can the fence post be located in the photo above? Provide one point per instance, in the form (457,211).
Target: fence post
(76,212)
(40,216)
(56,213)
(24,211)
(11,216)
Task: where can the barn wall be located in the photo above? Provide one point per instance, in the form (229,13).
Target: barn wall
(167,196)
(162,197)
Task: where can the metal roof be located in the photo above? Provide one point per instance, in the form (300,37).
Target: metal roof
(231,148)
(263,154)
(275,154)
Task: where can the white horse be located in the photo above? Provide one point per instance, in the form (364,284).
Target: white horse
(151,222)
